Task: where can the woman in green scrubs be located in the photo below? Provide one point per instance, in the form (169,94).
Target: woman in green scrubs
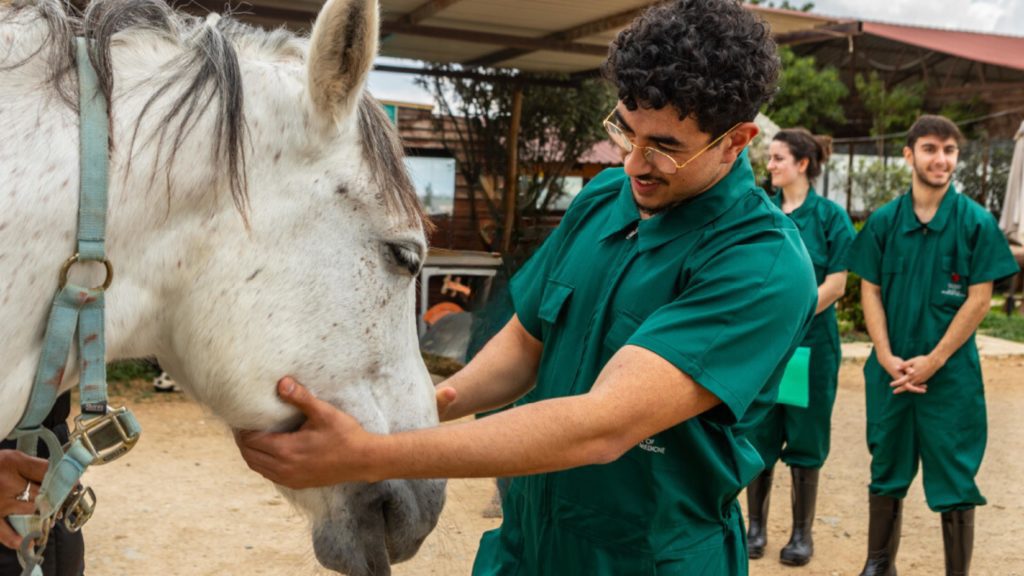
(800,436)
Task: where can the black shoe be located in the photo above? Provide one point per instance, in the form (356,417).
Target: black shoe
(800,548)
(883,535)
(958,541)
(758,494)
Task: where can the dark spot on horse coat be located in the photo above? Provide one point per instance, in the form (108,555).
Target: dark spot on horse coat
(277,156)
(253,275)
(341,189)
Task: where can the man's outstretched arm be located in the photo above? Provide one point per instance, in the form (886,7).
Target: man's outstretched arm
(637,395)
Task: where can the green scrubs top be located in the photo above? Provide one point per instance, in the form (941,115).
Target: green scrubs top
(924,271)
(721,287)
(801,436)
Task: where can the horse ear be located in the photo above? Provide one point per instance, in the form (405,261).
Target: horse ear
(341,52)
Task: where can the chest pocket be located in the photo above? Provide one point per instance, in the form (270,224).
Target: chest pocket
(556,297)
(952,282)
(624,325)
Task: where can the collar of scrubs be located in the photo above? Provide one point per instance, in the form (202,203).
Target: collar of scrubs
(688,216)
(909,221)
(802,210)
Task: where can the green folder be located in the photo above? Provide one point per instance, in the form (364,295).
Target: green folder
(793,389)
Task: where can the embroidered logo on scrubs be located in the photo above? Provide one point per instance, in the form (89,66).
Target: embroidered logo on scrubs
(649,446)
(954,288)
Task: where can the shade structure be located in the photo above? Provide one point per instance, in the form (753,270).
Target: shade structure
(1012,220)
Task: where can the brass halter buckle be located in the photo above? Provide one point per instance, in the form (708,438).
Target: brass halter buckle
(89,429)
(78,508)
(66,267)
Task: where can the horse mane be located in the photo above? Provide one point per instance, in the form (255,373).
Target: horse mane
(208,65)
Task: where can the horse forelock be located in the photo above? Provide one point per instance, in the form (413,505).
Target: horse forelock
(205,72)
(383,152)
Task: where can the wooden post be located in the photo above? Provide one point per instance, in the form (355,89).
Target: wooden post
(512,176)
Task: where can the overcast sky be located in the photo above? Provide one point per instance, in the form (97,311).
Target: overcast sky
(1002,16)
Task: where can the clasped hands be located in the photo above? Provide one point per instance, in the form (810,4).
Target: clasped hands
(910,375)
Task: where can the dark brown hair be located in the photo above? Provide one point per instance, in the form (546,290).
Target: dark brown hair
(804,145)
(932,125)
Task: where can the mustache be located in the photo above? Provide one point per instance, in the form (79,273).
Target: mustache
(651,178)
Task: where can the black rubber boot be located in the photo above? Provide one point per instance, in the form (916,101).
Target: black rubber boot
(958,541)
(883,535)
(758,494)
(800,548)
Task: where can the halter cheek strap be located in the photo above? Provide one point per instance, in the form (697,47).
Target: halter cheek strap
(100,435)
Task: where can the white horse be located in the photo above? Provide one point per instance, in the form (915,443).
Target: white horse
(248,242)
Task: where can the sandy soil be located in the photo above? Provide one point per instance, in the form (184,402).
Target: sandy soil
(183,502)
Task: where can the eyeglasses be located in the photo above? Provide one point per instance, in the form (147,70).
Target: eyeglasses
(660,160)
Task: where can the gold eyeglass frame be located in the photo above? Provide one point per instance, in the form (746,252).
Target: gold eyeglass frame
(615,132)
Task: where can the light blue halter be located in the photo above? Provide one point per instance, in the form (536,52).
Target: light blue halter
(101,434)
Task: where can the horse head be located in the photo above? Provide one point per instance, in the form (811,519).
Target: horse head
(310,271)
(318,283)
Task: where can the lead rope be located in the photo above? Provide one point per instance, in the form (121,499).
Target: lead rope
(101,434)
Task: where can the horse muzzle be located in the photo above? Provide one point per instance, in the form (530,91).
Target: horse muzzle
(386,523)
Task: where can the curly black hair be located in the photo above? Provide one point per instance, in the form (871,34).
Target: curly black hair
(711,59)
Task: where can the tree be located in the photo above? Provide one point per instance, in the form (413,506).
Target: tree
(559,122)
(807,96)
(785,5)
(890,107)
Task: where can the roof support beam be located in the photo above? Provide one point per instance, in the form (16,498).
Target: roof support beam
(592,28)
(522,42)
(820,34)
(425,11)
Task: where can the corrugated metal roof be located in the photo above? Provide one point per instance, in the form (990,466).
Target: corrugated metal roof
(999,50)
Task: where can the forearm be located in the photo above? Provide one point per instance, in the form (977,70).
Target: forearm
(541,437)
(966,321)
(875,319)
(502,372)
(831,290)
(637,395)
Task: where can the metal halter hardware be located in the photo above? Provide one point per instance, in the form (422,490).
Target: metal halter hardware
(78,508)
(88,429)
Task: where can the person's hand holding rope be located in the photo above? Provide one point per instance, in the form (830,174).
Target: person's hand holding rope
(20,476)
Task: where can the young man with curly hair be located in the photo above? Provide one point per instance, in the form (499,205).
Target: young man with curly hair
(650,333)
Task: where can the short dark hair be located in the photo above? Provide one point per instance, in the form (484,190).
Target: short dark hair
(804,145)
(712,59)
(933,125)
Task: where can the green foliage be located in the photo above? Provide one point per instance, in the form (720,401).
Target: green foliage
(785,5)
(891,108)
(963,110)
(808,96)
(999,325)
(129,370)
(878,182)
(983,172)
(557,125)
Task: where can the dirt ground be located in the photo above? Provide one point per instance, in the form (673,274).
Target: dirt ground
(183,502)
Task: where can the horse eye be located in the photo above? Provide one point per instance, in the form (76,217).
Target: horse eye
(405,256)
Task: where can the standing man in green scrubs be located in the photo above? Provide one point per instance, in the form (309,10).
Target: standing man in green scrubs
(650,332)
(800,435)
(928,260)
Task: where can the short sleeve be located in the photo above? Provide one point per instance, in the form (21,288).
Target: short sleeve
(733,345)
(991,258)
(865,257)
(840,236)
